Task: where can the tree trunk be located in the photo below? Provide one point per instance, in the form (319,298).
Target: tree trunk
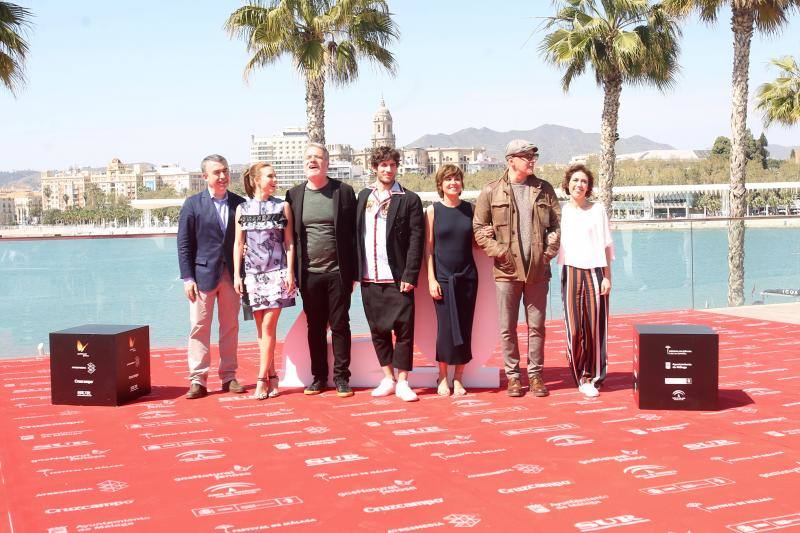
(608,137)
(315,108)
(742,24)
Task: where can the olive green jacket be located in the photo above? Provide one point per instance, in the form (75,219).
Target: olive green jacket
(496,208)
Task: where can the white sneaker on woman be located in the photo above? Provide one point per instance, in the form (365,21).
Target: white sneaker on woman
(384,388)
(589,390)
(404,392)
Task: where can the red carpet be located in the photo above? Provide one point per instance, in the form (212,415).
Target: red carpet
(228,463)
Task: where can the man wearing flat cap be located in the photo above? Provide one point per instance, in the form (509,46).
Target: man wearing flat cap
(524,215)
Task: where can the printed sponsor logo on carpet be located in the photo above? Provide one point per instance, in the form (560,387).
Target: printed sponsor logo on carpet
(534,486)
(538,429)
(405,505)
(767,524)
(611,522)
(345,458)
(569,440)
(230,490)
(328,477)
(683,486)
(199,455)
(246,506)
(235,471)
(729,505)
(649,471)
(710,444)
(398,485)
(88,507)
(567,504)
(624,456)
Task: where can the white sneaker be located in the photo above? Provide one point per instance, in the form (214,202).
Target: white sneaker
(588,390)
(404,392)
(384,388)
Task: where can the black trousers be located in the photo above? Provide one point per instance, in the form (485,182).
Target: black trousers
(389,310)
(326,301)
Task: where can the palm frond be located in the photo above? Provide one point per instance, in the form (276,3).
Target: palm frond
(779,101)
(15,21)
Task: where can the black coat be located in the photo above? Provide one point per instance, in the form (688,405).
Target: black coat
(405,235)
(344,222)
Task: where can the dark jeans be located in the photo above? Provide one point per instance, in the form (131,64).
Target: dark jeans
(326,301)
(389,310)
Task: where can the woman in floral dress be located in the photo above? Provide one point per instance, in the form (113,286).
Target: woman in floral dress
(264,223)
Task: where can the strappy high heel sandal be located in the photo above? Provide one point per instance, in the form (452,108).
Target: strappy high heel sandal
(273,387)
(264,394)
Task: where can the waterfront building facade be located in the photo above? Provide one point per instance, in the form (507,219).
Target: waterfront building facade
(27,207)
(181,180)
(286,151)
(63,189)
(7,211)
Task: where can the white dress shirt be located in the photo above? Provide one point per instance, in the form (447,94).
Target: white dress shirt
(376,257)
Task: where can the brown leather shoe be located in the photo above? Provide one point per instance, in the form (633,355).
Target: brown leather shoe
(232,386)
(196,391)
(538,388)
(514,388)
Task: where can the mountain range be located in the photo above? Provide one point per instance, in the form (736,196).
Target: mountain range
(557,144)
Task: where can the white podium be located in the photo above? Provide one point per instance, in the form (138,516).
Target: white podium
(364,368)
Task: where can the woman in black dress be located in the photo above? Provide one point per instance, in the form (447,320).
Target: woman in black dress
(452,276)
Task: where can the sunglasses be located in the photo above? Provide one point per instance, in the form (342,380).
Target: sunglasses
(528,156)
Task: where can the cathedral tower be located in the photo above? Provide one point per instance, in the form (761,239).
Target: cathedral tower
(382,134)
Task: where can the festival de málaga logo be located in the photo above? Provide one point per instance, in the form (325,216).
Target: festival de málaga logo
(81,347)
(131,344)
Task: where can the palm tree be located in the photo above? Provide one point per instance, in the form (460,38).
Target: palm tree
(767,16)
(14,20)
(622,41)
(780,100)
(324,38)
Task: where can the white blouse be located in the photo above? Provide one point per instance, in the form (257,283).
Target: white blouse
(585,235)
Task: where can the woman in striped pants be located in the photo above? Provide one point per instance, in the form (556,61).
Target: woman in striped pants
(585,258)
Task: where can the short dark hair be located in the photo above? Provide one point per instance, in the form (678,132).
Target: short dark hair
(448,170)
(250,175)
(383,153)
(572,169)
(213,157)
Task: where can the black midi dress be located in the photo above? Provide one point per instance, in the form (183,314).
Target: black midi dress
(458,278)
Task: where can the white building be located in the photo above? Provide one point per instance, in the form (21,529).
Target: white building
(180,179)
(25,205)
(484,162)
(284,151)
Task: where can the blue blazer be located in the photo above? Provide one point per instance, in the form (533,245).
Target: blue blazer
(202,247)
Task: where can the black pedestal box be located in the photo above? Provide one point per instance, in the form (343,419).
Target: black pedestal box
(675,367)
(99,364)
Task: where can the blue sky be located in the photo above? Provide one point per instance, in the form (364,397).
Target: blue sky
(160,81)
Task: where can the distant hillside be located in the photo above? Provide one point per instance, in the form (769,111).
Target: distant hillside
(776,151)
(24,178)
(557,144)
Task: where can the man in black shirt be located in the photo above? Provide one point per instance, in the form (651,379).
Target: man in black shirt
(324,229)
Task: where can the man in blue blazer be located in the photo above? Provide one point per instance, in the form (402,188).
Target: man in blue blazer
(206,231)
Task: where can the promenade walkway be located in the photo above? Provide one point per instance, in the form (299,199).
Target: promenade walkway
(227,463)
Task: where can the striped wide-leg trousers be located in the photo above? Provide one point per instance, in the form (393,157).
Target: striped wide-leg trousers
(586,323)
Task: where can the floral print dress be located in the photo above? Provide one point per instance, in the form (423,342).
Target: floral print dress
(265,260)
